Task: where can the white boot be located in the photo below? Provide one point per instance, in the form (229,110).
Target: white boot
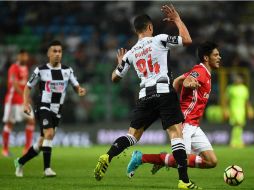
(48,172)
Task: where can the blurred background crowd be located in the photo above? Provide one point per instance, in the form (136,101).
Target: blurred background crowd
(93,31)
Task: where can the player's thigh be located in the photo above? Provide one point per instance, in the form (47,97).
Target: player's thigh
(45,120)
(9,115)
(170,110)
(143,115)
(200,142)
(188,131)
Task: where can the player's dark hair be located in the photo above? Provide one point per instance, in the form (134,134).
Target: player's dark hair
(141,22)
(21,51)
(205,49)
(55,43)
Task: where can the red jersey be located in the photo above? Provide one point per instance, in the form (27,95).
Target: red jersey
(193,102)
(20,74)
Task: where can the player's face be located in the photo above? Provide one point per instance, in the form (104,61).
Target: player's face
(23,58)
(214,59)
(55,55)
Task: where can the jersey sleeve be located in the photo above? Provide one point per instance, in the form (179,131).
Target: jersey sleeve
(166,42)
(34,79)
(124,67)
(73,78)
(196,73)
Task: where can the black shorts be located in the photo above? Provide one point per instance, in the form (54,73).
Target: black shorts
(47,119)
(148,109)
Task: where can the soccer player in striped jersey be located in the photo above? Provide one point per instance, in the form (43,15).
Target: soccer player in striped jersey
(53,79)
(13,105)
(195,87)
(157,97)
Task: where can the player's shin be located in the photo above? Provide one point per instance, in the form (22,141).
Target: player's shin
(31,153)
(5,135)
(180,156)
(120,145)
(47,149)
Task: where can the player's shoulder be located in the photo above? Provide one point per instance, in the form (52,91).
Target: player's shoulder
(42,67)
(14,66)
(65,67)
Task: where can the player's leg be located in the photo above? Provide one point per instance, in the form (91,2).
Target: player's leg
(172,117)
(32,152)
(50,122)
(6,136)
(119,145)
(9,120)
(142,117)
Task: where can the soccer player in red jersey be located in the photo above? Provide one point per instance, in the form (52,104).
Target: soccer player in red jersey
(195,87)
(13,108)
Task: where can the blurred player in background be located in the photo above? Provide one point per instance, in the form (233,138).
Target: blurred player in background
(53,79)
(13,105)
(195,87)
(157,98)
(237,107)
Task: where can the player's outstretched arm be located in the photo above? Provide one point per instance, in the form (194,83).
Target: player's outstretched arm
(178,83)
(26,96)
(173,16)
(120,53)
(80,91)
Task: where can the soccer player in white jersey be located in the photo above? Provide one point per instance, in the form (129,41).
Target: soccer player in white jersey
(195,87)
(157,97)
(53,79)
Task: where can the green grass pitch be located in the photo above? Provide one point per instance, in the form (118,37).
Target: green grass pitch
(74,167)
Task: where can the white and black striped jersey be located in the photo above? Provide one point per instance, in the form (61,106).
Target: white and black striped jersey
(53,82)
(150,58)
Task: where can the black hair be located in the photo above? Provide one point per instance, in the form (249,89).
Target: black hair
(55,43)
(21,51)
(141,22)
(205,49)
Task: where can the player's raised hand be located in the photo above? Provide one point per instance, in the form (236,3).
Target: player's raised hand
(170,13)
(120,53)
(27,109)
(81,91)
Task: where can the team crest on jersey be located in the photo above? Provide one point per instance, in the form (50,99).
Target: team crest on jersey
(194,74)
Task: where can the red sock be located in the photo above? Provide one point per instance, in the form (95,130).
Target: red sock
(169,160)
(29,136)
(196,161)
(153,159)
(5,136)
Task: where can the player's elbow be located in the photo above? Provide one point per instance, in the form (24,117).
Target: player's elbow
(187,41)
(115,78)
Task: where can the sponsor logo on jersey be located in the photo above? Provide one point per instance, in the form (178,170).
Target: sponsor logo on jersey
(55,86)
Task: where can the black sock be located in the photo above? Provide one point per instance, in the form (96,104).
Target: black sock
(180,156)
(46,156)
(31,153)
(120,144)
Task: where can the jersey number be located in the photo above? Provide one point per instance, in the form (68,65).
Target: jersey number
(141,64)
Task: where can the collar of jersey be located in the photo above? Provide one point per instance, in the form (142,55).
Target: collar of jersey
(205,68)
(49,66)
